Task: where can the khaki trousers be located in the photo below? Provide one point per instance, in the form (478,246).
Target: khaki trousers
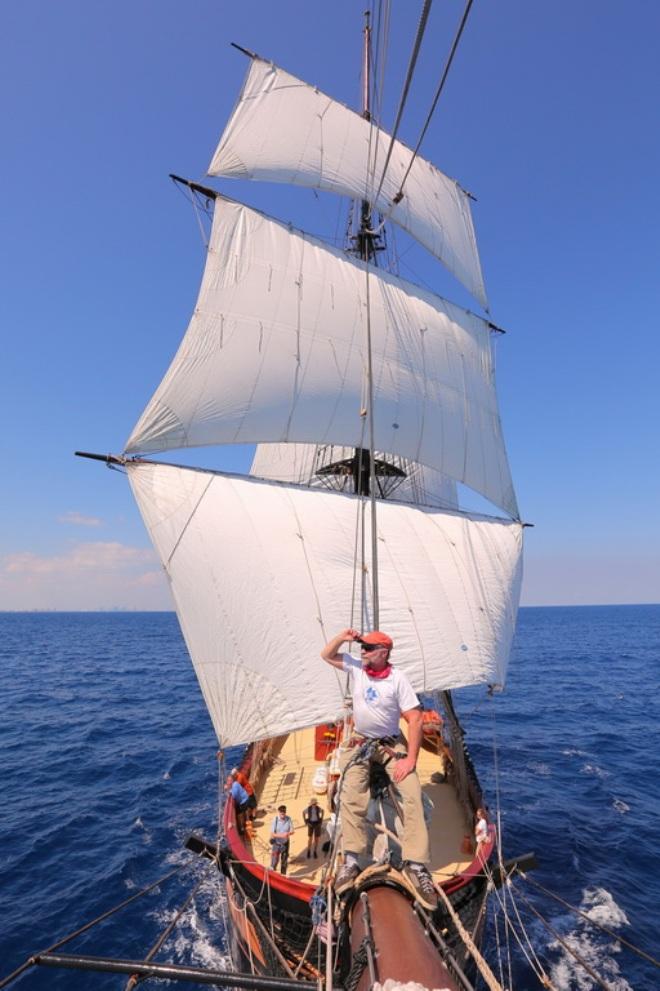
(355,802)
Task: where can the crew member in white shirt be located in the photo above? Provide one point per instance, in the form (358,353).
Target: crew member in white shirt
(382,695)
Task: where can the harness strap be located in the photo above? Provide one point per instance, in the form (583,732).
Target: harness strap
(369,744)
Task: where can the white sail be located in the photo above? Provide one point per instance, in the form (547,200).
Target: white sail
(261,574)
(276,352)
(298,464)
(284,130)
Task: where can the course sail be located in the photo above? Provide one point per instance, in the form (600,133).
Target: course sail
(283,130)
(261,577)
(276,352)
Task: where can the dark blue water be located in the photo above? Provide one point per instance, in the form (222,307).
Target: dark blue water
(109,761)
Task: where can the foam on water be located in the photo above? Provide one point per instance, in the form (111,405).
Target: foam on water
(598,949)
(200,935)
(538,767)
(594,770)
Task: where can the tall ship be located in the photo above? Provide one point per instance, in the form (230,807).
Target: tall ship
(371,404)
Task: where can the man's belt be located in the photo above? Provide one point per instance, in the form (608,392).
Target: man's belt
(386,743)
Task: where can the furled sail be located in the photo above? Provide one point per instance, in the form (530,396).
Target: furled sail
(276,352)
(255,611)
(299,464)
(284,130)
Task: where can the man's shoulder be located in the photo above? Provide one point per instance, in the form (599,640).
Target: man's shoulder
(400,677)
(404,687)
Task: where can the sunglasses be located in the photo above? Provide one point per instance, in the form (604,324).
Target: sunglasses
(368,647)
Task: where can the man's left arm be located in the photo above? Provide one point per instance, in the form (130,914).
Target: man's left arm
(407,764)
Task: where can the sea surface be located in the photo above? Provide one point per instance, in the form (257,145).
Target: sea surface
(108,761)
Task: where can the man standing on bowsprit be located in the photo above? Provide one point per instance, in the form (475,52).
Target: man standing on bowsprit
(381,696)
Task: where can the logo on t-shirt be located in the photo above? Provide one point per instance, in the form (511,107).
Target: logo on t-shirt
(371,695)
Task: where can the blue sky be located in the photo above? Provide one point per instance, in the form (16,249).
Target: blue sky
(550,117)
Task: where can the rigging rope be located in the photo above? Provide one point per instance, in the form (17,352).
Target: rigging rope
(448,957)
(222,799)
(380,60)
(249,904)
(191,195)
(498,955)
(441,84)
(541,974)
(483,968)
(421,28)
(134,979)
(507,891)
(569,949)
(31,960)
(594,922)
(509,927)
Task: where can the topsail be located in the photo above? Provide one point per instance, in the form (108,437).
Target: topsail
(276,352)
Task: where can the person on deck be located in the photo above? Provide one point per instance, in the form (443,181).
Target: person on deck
(381,696)
(313,819)
(241,803)
(281,832)
(244,781)
(481,829)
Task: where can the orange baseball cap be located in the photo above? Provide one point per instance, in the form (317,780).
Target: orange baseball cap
(377,638)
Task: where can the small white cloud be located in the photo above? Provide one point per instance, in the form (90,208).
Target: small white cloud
(90,575)
(149,579)
(79,519)
(101,557)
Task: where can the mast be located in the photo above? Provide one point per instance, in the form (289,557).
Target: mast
(366,244)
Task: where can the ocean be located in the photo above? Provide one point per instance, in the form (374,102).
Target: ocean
(109,761)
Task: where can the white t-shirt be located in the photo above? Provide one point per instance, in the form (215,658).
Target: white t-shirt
(378,702)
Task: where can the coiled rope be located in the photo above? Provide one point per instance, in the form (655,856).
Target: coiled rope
(360,961)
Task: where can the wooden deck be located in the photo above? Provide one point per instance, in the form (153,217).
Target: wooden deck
(289,783)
